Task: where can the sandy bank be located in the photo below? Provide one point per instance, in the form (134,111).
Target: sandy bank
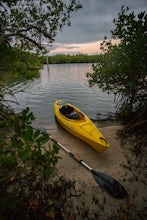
(113,162)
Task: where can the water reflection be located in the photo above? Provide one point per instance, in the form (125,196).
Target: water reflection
(67,82)
(44,76)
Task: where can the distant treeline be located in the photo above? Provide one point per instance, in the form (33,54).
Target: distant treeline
(62,58)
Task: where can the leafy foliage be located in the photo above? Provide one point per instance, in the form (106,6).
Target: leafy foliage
(17,65)
(29,26)
(24,154)
(122,69)
(62,58)
(30,23)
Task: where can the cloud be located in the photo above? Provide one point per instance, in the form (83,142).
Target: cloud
(91,24)
(95,20)
(63,46)
(85,48)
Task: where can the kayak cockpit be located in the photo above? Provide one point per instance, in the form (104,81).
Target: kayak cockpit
(71,113)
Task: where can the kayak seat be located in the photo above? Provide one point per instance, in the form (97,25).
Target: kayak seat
(76,115)
(73,115)
(66,110)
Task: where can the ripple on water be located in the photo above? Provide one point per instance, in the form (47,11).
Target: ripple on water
(67,82)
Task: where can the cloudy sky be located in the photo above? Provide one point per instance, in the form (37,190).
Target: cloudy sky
(91,24)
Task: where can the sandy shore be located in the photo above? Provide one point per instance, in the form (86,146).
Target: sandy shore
(114,162)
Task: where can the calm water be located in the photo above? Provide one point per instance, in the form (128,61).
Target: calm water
(67,82)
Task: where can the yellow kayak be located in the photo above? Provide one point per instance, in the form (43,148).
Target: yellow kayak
(79,125)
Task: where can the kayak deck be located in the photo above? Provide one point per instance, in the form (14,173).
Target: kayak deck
(78,124)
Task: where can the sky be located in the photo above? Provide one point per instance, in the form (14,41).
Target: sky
(91,24)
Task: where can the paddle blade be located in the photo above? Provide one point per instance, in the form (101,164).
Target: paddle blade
(110,185)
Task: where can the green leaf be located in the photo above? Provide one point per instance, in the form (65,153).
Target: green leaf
(36,133)
(56,149)
(25,154)
(27,135)
(43,139)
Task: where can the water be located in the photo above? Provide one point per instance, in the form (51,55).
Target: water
(67,82)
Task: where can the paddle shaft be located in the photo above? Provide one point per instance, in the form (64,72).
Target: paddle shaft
(109,184)
(71,154)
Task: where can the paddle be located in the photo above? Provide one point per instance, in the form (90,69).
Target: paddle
(106,182)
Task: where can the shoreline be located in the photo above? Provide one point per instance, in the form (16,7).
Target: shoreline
(113,161)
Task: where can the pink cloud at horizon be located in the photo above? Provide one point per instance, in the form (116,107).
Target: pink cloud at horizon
(85,48)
